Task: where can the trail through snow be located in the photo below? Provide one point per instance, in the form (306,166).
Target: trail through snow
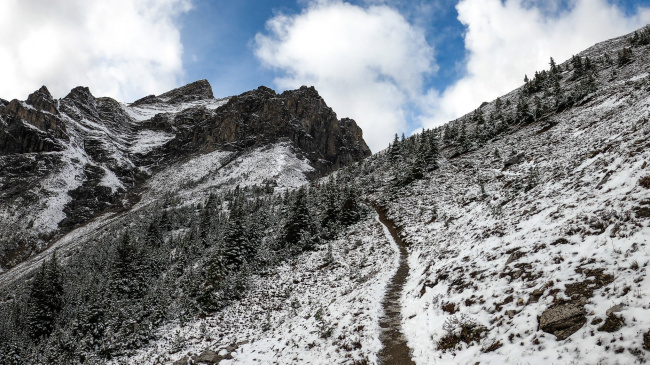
(394,349)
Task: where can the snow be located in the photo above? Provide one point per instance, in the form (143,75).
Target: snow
(147,111)
(471,242)
(277,321)
(111,180)
(148,140)
(222,170)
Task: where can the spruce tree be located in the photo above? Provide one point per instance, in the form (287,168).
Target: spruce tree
(238,249)
(299,230)
(395,149)
(129,272)
(350,210)
(45,298)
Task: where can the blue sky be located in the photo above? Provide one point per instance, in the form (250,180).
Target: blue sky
(217,38)
(394,66)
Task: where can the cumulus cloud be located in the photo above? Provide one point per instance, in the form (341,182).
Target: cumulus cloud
(367,63)
(506,40)
(120,48)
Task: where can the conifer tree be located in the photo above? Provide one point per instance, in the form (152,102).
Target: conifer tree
(45,298)
(395,149)
(129,270)
(299,230)
(350,210)
(238,249)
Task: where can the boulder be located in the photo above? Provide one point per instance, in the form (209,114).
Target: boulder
(208,357)
(182,361)
(515,160)
(562,320)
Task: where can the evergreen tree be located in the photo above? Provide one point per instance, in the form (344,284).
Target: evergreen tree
(154,236)
(238,248)
(463,142)
(299,230)
(558,94)
(395,149)
(45,298)
(350,210)
(554,70)
(432,151)
(624,56)
(331,213)
(129,272)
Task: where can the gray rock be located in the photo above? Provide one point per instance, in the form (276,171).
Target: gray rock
(208,357)
(181,361)
(562,320)
(514,160)
(615,309)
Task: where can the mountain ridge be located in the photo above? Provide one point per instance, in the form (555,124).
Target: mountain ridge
(105,151)
(526,222)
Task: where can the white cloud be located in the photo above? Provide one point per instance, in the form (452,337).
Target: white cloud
(506,40)
(367,63)
(120,48)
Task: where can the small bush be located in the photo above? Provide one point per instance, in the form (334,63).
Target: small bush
(460,329)
(646,340)
(645,182)
(612,324)
(449,307)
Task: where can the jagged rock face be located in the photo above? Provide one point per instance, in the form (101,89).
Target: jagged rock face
(198,90)
(39,111)
(261,116)
(81,156)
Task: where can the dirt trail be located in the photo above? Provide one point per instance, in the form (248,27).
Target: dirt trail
(394,351)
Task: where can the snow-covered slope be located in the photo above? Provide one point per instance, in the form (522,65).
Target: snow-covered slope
(65,162)
(563,235)
(530,248)
(527,233)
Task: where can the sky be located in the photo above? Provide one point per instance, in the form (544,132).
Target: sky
(393,66)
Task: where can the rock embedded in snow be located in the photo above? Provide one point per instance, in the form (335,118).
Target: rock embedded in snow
(563,320)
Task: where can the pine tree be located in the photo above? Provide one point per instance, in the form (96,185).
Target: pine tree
(129,270)
(554,70)
(238,248)
(154,236)
(558,94)
(395,149)
(331,213)
(45,298)
(463,143)
(350,210)
(578,69)
(432,151)
(624,56)
(299,230)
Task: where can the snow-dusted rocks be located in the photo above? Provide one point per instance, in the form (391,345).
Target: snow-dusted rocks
(79,157)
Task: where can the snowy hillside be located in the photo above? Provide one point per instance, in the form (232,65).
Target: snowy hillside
(528,247)
(517,234)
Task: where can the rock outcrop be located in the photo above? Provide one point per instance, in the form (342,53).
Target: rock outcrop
(262,116)
(96,162)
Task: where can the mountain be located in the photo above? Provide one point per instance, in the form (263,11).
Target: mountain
(64,162)
(515,234)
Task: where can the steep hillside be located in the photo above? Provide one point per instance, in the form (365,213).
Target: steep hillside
(515,234)
(65,162)
(527,228)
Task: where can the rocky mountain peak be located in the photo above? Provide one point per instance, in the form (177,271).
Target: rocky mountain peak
(80,94)
(260,117)
(198,90)
(41,99)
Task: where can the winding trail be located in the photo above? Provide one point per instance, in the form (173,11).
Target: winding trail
(395,350)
